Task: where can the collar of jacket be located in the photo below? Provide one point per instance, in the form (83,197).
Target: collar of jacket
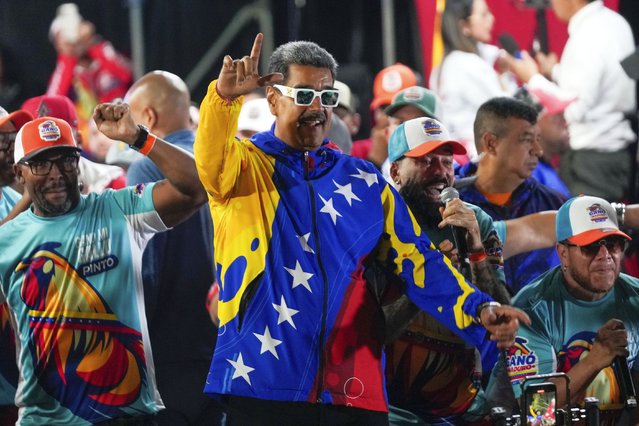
(320,161)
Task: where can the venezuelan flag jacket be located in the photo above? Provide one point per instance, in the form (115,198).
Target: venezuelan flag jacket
(293,233)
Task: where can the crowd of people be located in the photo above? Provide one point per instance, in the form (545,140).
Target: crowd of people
(249,261)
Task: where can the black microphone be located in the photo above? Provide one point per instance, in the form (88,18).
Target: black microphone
(624,380)
(510,45)
(459,234)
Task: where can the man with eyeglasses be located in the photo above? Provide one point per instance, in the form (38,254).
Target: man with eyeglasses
(296,223)
(9,126)
(70,274)
(583,312)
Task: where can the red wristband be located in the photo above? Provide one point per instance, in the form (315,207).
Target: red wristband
(149,143)
(477,257)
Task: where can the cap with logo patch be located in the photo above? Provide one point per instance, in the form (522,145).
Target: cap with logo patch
(420,136)
(583,220)
(389,81)
(43,134)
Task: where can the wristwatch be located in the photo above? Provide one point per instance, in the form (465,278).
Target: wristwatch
(141,139)
(491,304)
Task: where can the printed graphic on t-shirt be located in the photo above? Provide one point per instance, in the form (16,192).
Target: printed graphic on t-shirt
(83,356)
(604,387)
(521,361)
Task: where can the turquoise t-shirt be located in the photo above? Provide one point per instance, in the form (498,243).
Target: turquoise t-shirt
(8,199)
(563,330)
(74,287)
(8,369)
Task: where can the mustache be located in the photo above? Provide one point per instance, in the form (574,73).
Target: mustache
(436,180)
(313,116)
(57,185)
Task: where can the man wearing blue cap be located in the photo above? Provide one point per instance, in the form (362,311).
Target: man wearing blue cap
(584,311)
(421,151)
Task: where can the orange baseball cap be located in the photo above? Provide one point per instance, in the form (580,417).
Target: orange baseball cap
(389,81)
(43,134)
(19,118)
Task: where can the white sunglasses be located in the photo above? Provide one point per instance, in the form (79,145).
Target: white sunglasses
(304,97)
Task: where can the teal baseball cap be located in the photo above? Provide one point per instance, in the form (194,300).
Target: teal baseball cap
(420,136)
(419,97)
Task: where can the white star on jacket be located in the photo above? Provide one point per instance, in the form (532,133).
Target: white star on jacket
(303,239)
(285,313)
(268,342)
(347,192)
(369,178)
(299,276)
(241,370)
(329,209)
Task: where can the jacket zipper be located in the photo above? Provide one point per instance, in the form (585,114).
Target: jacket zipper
(322,354)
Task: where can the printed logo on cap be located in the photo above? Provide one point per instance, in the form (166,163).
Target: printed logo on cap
(392,81)
(597,213)
(431,128)
(413,94)
(43,110)
(49,131)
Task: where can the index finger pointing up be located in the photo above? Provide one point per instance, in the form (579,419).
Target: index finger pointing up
(257,47)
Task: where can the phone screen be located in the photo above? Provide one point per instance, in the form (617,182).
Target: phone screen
(540,404)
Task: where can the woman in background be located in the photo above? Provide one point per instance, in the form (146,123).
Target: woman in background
(466,77)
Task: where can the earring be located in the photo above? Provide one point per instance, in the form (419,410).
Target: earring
(564,267)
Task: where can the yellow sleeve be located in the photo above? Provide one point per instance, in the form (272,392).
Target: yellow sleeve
(219,157)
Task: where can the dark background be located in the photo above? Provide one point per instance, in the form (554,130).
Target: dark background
(178,32)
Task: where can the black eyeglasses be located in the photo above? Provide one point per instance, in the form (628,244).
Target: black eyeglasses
(7,139)
(304,97)
(614,245)
(67,163)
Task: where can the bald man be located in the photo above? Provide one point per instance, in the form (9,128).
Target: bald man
(177,265)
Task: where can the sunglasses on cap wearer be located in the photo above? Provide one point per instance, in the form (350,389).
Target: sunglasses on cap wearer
(65,163)
(304,97)
(614,245)
(7,139)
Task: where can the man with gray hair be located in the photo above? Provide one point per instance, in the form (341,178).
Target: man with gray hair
(296,225)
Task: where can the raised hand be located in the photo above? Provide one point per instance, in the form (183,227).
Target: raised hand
(115,121)
(241,76)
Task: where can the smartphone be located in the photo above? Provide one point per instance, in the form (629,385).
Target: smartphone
(540,401)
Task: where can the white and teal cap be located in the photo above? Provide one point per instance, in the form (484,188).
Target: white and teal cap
(418,137)
(583,220)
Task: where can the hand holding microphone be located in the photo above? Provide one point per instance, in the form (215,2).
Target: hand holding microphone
(517,60)
(463,225)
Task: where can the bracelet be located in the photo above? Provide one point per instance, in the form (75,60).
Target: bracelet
(477,256)
(620,209)
(491,304)
(145,141)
